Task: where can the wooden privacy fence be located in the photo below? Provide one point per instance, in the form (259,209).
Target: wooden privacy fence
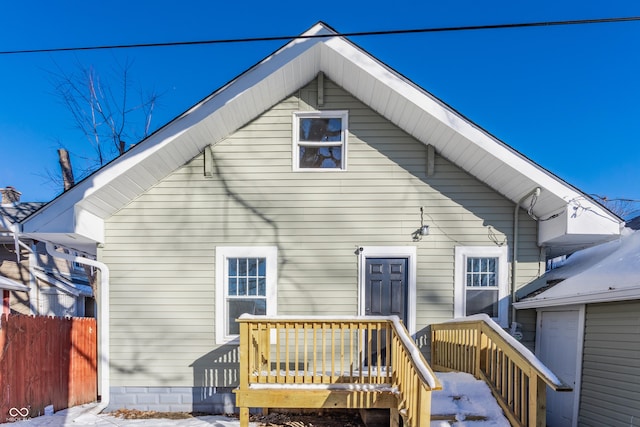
(517,379)
(46,361)
(321,362)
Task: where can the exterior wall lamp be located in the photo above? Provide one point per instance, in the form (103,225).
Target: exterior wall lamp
(423,230)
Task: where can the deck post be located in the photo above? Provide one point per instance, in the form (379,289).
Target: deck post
(244,370)
(244,417)
(541,407)
(424,406)
(537,401)
(394,419)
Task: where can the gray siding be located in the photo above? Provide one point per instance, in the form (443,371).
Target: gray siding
(161,247)
(527,320)
(611,367)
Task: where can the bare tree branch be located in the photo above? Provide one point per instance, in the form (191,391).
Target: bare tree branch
(103,112)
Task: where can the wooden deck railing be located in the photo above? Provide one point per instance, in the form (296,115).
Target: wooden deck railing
(320,362)
(518,380)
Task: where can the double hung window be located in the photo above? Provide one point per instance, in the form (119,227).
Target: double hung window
(245,283)
(481,282)
(320,140)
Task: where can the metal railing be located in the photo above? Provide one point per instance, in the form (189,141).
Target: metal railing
(322,362)
(518,380)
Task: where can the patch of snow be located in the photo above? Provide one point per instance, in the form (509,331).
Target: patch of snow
(607,272)
(462,396)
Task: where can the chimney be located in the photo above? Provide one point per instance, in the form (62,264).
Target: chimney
(10,196)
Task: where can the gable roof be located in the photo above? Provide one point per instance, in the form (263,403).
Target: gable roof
(75,218)
(607,272)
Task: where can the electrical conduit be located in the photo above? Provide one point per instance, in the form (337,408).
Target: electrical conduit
(514,258)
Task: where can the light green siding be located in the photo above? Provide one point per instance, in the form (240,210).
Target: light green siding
(161,247)
(610,392)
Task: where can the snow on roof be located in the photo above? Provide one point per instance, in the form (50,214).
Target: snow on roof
(607,272)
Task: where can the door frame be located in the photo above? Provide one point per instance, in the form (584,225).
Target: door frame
(408,252)
(581,309)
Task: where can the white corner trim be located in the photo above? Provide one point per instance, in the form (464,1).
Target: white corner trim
(408,252)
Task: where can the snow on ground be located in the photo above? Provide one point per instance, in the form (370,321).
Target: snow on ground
(81,416)
(461,396)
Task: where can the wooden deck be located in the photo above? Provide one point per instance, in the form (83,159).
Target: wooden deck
(321,362)
(372,362)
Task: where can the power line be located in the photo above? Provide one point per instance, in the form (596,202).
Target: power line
(314,36)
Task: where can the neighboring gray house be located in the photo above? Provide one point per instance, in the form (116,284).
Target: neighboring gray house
(588,332)
(33,282)
(320,181)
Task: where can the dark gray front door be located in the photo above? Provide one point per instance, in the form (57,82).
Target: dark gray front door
(386,287)
(385,294)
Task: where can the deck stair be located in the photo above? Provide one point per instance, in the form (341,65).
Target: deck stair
(480,347)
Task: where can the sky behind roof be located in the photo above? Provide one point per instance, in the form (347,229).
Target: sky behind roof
(564,96)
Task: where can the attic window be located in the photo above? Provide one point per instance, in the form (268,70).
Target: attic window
(320,140)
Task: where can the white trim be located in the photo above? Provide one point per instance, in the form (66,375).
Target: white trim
(459,300)
(581,309)
(609,295)
(341,114)
(224,252)
(11,285)
(408,252)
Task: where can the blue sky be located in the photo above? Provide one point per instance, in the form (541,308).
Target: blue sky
(567,97)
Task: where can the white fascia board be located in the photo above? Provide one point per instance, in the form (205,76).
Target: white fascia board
(12,285)
(579,223)
(89,225)
(604,295)
(471,133)
(66,220)
(7,225)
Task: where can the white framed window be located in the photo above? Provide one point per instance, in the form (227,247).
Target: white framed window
(246,279)
(320,140)
(481,282)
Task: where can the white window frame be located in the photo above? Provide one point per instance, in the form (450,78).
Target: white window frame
(460,300)
(342,114)
(223,253)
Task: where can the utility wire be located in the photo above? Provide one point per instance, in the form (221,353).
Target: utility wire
(314,36)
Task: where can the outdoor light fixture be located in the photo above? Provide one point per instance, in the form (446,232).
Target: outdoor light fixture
(424,229)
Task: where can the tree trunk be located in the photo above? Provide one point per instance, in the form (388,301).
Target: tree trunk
(67,172)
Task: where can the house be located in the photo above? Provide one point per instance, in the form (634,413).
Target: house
(588,332)
(320,181)
(33,282)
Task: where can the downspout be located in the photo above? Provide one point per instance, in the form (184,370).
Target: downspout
(103,319)
(514,258)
